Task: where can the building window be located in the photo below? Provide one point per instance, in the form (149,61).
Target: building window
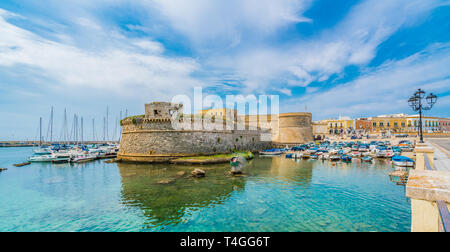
(403,124)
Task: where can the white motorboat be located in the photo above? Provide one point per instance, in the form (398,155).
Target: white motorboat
(42,151)
(83,158)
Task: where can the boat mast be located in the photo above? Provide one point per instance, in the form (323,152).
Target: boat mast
(107,120)
(93,129)
(65,133)
(104,128)
(51,126)
(81,130)
(40,132)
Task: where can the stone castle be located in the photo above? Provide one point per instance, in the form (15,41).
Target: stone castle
(154,138)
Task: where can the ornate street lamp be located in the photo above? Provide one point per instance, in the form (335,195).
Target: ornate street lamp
(415,102)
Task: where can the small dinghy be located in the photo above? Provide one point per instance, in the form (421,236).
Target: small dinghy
(367,159)
(335,158)
(356,154)
(403,161)
(346,158)
(271,152)
(381,154)
(389,154)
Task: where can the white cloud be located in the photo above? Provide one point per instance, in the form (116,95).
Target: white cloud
(227,21)
(133,66)
(386,88)
(354,41)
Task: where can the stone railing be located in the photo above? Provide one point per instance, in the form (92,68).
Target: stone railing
(429,191)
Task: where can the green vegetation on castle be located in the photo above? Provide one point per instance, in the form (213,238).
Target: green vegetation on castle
(133,118)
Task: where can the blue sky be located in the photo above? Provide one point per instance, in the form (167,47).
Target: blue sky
(355,57)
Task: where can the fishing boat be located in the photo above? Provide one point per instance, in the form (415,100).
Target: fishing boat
(403,161)
(381,154)
(389,154)
(346,158)
(367,159)
(335,158)
(356,154)
(314,156)
(312,150)
(363,149)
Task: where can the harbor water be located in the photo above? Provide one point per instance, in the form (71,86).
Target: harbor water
(275,194)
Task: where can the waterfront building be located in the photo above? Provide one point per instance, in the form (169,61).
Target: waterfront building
(430,124)
(386,124)
(382,124)
(340,126)
(363,125)
(444,125)
(320,129)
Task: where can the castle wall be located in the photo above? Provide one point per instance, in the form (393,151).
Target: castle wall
(157,140)
(295,128)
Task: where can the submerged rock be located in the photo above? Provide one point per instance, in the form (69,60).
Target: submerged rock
(181,173)
(198,173)
(165,181)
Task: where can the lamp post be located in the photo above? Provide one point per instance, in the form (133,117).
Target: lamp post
(416,104)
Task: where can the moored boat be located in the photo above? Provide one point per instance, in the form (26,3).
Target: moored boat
(402,161)
(346,158)
(335,158)
(83,158)
(271,152)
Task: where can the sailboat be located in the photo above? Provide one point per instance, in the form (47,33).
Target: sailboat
(41,150)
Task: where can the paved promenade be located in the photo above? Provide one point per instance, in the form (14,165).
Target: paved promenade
(441,153)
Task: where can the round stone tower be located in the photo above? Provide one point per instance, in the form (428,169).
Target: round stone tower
(295,128)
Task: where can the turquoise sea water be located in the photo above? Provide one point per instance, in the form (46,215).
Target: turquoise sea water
(277,194)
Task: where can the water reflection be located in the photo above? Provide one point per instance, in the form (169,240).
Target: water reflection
(164,194)
(277,194)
